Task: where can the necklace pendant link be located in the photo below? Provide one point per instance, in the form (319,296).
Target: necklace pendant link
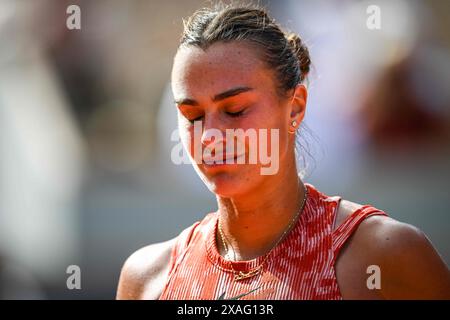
(244,275)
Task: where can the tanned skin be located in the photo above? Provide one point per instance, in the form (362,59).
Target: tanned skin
(255,209)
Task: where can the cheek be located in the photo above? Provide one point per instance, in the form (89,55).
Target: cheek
(186,133)
(188,140)
(271,122)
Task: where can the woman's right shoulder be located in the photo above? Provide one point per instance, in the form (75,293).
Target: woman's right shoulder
(144,272)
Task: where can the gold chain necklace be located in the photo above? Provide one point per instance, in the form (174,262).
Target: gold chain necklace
(253,272)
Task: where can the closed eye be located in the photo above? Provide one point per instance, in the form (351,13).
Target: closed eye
(235,114)
(231,114)
(196,119)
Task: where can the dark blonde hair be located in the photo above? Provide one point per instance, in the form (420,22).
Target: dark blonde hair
(283,52)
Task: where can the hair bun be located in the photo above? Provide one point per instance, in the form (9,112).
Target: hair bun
(301,52)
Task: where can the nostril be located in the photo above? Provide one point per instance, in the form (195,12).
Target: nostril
(211,135)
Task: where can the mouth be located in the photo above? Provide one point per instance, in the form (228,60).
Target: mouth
(226,160)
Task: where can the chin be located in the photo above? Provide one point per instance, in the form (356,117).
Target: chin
(224,190)
(227,184)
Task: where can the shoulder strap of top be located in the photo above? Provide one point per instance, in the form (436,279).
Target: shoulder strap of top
(346,229)
(180,247)
(178,251)
(181,243)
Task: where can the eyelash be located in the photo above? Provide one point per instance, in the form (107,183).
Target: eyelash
(231,114)
(235,114)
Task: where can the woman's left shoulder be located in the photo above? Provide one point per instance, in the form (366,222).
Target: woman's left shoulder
(383,232)
(410,266)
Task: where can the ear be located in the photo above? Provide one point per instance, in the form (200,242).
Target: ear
(298,106)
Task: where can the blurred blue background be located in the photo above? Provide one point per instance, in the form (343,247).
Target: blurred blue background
(86,118)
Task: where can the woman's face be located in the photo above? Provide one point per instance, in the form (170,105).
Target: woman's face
(229,87)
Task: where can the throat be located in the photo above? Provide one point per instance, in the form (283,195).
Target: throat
(247,237)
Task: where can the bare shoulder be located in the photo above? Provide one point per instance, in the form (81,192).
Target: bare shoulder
(380,231)
(144,273)
(385,236)
(409,265)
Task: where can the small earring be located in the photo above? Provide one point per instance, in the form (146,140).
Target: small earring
(293,124)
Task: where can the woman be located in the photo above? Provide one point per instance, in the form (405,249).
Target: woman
(273,236)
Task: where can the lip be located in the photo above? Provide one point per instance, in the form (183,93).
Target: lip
(212,164)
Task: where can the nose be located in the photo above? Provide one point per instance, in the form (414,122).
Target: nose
(213,132)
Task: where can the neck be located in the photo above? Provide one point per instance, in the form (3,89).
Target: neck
(253,223)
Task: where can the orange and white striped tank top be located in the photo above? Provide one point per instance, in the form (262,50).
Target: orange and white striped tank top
(301,266)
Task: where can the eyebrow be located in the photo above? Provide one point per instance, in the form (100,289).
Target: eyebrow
(218,97)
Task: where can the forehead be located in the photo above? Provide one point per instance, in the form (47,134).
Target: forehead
(222,66)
